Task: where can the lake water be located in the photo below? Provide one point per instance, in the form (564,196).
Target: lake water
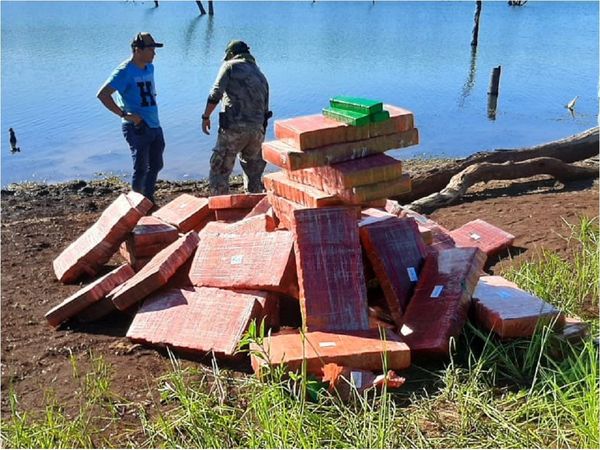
(55,56)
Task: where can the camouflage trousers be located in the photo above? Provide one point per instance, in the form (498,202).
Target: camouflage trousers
(245,142)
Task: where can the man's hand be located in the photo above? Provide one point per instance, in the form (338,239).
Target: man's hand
(206,125)
(133,118)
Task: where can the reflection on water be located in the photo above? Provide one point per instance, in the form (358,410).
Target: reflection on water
(470,83)
(55,55)
(189,34)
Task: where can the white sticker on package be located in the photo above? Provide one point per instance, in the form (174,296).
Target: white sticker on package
(405,330)
(412,274)
(326,344)
(437,290)
(475,236)
(237,259)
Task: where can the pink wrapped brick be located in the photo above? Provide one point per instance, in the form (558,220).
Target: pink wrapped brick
(186,212)
(231,214)
(358,349)
(151,230)
(308,196)
(238,201)
(89,295)
(252,224)
(333,294)
(261,207)
(155,273)
(441,300)
(400,120)
(200,320)
(284,209)
(309,132)
(396,252)
(478,233)
(290,158)
(348,174)
(257,261)
(139,202)
(502,307)
(88,253)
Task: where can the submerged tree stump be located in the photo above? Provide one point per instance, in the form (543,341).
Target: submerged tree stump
(201,8)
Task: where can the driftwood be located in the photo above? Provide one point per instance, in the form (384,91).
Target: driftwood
(574,148)
(509,170)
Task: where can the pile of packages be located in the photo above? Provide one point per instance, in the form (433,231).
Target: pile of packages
(342,277)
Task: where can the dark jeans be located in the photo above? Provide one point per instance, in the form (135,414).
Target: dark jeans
(147,146)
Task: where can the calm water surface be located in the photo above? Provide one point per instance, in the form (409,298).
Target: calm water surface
(55,55)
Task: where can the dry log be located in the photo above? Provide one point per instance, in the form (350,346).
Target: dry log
(486,171)
(573,148)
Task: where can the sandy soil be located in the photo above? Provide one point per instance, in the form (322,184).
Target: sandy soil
(38,222)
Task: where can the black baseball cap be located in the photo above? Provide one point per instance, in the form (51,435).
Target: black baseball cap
(145,40)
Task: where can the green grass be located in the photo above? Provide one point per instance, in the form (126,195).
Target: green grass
(534,393)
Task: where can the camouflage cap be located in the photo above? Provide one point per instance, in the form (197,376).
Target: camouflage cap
(236,47)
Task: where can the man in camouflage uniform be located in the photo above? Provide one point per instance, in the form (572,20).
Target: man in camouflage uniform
(244,91)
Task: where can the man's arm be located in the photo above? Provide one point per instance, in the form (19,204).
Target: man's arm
(210,107)
(215,96)
(105,97)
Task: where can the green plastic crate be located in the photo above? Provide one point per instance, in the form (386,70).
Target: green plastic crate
(362,105)
(350,117)
(380,116)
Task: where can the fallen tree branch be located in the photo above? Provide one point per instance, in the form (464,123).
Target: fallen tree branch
(573,148)
(510,170)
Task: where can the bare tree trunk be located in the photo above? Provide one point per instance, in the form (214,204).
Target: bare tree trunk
(201,8)
(573,148)
(509,170)
(211,11)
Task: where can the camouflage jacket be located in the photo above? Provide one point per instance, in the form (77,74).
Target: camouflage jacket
(244,92)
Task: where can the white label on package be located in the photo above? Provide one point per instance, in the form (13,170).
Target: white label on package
(356,379)
(326,344)
(237,259)
(475,236)
(437,290)
(405,331)
(412,274)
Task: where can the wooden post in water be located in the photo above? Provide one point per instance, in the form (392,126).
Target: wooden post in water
(476,25)
(156,3)
(493,92)
(200,7)
(495,81)
(211,11)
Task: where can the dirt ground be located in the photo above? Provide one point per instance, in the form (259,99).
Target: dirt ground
(38,222)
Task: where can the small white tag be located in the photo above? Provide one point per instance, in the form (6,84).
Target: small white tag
(412,274)
(237,259)
(437,290)
(183,205)
(405,331)
(475,236)
(356,379)
(326,344)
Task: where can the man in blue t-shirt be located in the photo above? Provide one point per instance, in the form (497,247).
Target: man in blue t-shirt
(135,103)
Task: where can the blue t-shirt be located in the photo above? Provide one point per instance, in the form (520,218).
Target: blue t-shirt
(137,93)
